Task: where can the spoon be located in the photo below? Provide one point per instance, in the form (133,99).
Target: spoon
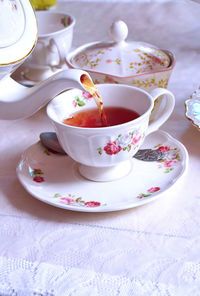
(50,141)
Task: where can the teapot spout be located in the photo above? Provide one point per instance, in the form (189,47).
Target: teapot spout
(18,101)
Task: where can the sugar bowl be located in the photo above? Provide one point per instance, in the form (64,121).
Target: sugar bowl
(134,63)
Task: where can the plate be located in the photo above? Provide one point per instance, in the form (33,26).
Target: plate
(54,178)
(192,108)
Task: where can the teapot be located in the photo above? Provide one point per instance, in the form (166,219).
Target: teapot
(18,37)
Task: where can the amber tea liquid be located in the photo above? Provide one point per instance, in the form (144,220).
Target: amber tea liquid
(90,118)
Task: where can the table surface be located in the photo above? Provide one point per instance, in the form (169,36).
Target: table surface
(150,250)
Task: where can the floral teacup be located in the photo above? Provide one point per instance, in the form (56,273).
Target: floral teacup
(105,153)
(55,34)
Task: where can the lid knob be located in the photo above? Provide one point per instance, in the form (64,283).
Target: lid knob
(119,31)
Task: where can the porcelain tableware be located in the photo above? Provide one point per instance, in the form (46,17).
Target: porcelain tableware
(55,34)
(18,37)
(18,34)
(50,141)
(55,180)
(17,40)
(105,153)
(192,108)
(134,63)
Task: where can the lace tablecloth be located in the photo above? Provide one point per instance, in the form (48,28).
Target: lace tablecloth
(149,250)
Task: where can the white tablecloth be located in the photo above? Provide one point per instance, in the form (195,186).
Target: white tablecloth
(149,250)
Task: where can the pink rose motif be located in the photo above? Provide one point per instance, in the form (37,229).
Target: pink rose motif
(66,200)
(136,139)
(169,163)
(164,148)
(153,189)
(108,61)
(64,21)
(156,60)
(139,196)
(109,79)
(69,21)
(37,171)
(74,103)
(112,148)
(124,140)
(38,179)
(92,204)
(86,95)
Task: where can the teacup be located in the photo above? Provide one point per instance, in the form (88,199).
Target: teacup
(105,153)
(55,34)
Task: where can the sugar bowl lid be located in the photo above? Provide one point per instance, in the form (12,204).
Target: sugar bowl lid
(18,33)
(118,57)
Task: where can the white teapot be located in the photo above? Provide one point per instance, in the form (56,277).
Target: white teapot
(18,37)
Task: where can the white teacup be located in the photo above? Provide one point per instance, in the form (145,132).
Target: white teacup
(55,34)
(105,153)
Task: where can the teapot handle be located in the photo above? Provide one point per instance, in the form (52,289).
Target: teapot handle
(160,113)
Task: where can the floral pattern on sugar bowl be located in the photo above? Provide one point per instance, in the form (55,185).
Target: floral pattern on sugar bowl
(125,142)
(153,81)
(137,63)
(133,63)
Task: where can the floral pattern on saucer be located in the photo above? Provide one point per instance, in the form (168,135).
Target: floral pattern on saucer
(192,108)
(37,175)
(149,192)
(72,200)
(55,179)
(172,156)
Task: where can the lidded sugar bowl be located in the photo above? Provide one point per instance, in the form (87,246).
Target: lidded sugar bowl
(134,63)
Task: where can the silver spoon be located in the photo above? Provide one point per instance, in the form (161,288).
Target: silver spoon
(50,141)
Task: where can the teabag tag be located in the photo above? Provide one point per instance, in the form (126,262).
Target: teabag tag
(90,87)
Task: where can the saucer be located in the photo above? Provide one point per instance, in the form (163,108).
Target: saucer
(192,108)
(54,178)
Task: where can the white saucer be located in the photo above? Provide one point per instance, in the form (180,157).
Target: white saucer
(192,108)
(54,178)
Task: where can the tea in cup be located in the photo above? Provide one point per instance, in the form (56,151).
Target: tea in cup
(104,153)
(55,34)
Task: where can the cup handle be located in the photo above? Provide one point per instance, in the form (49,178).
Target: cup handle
(61,53)
(160,113)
